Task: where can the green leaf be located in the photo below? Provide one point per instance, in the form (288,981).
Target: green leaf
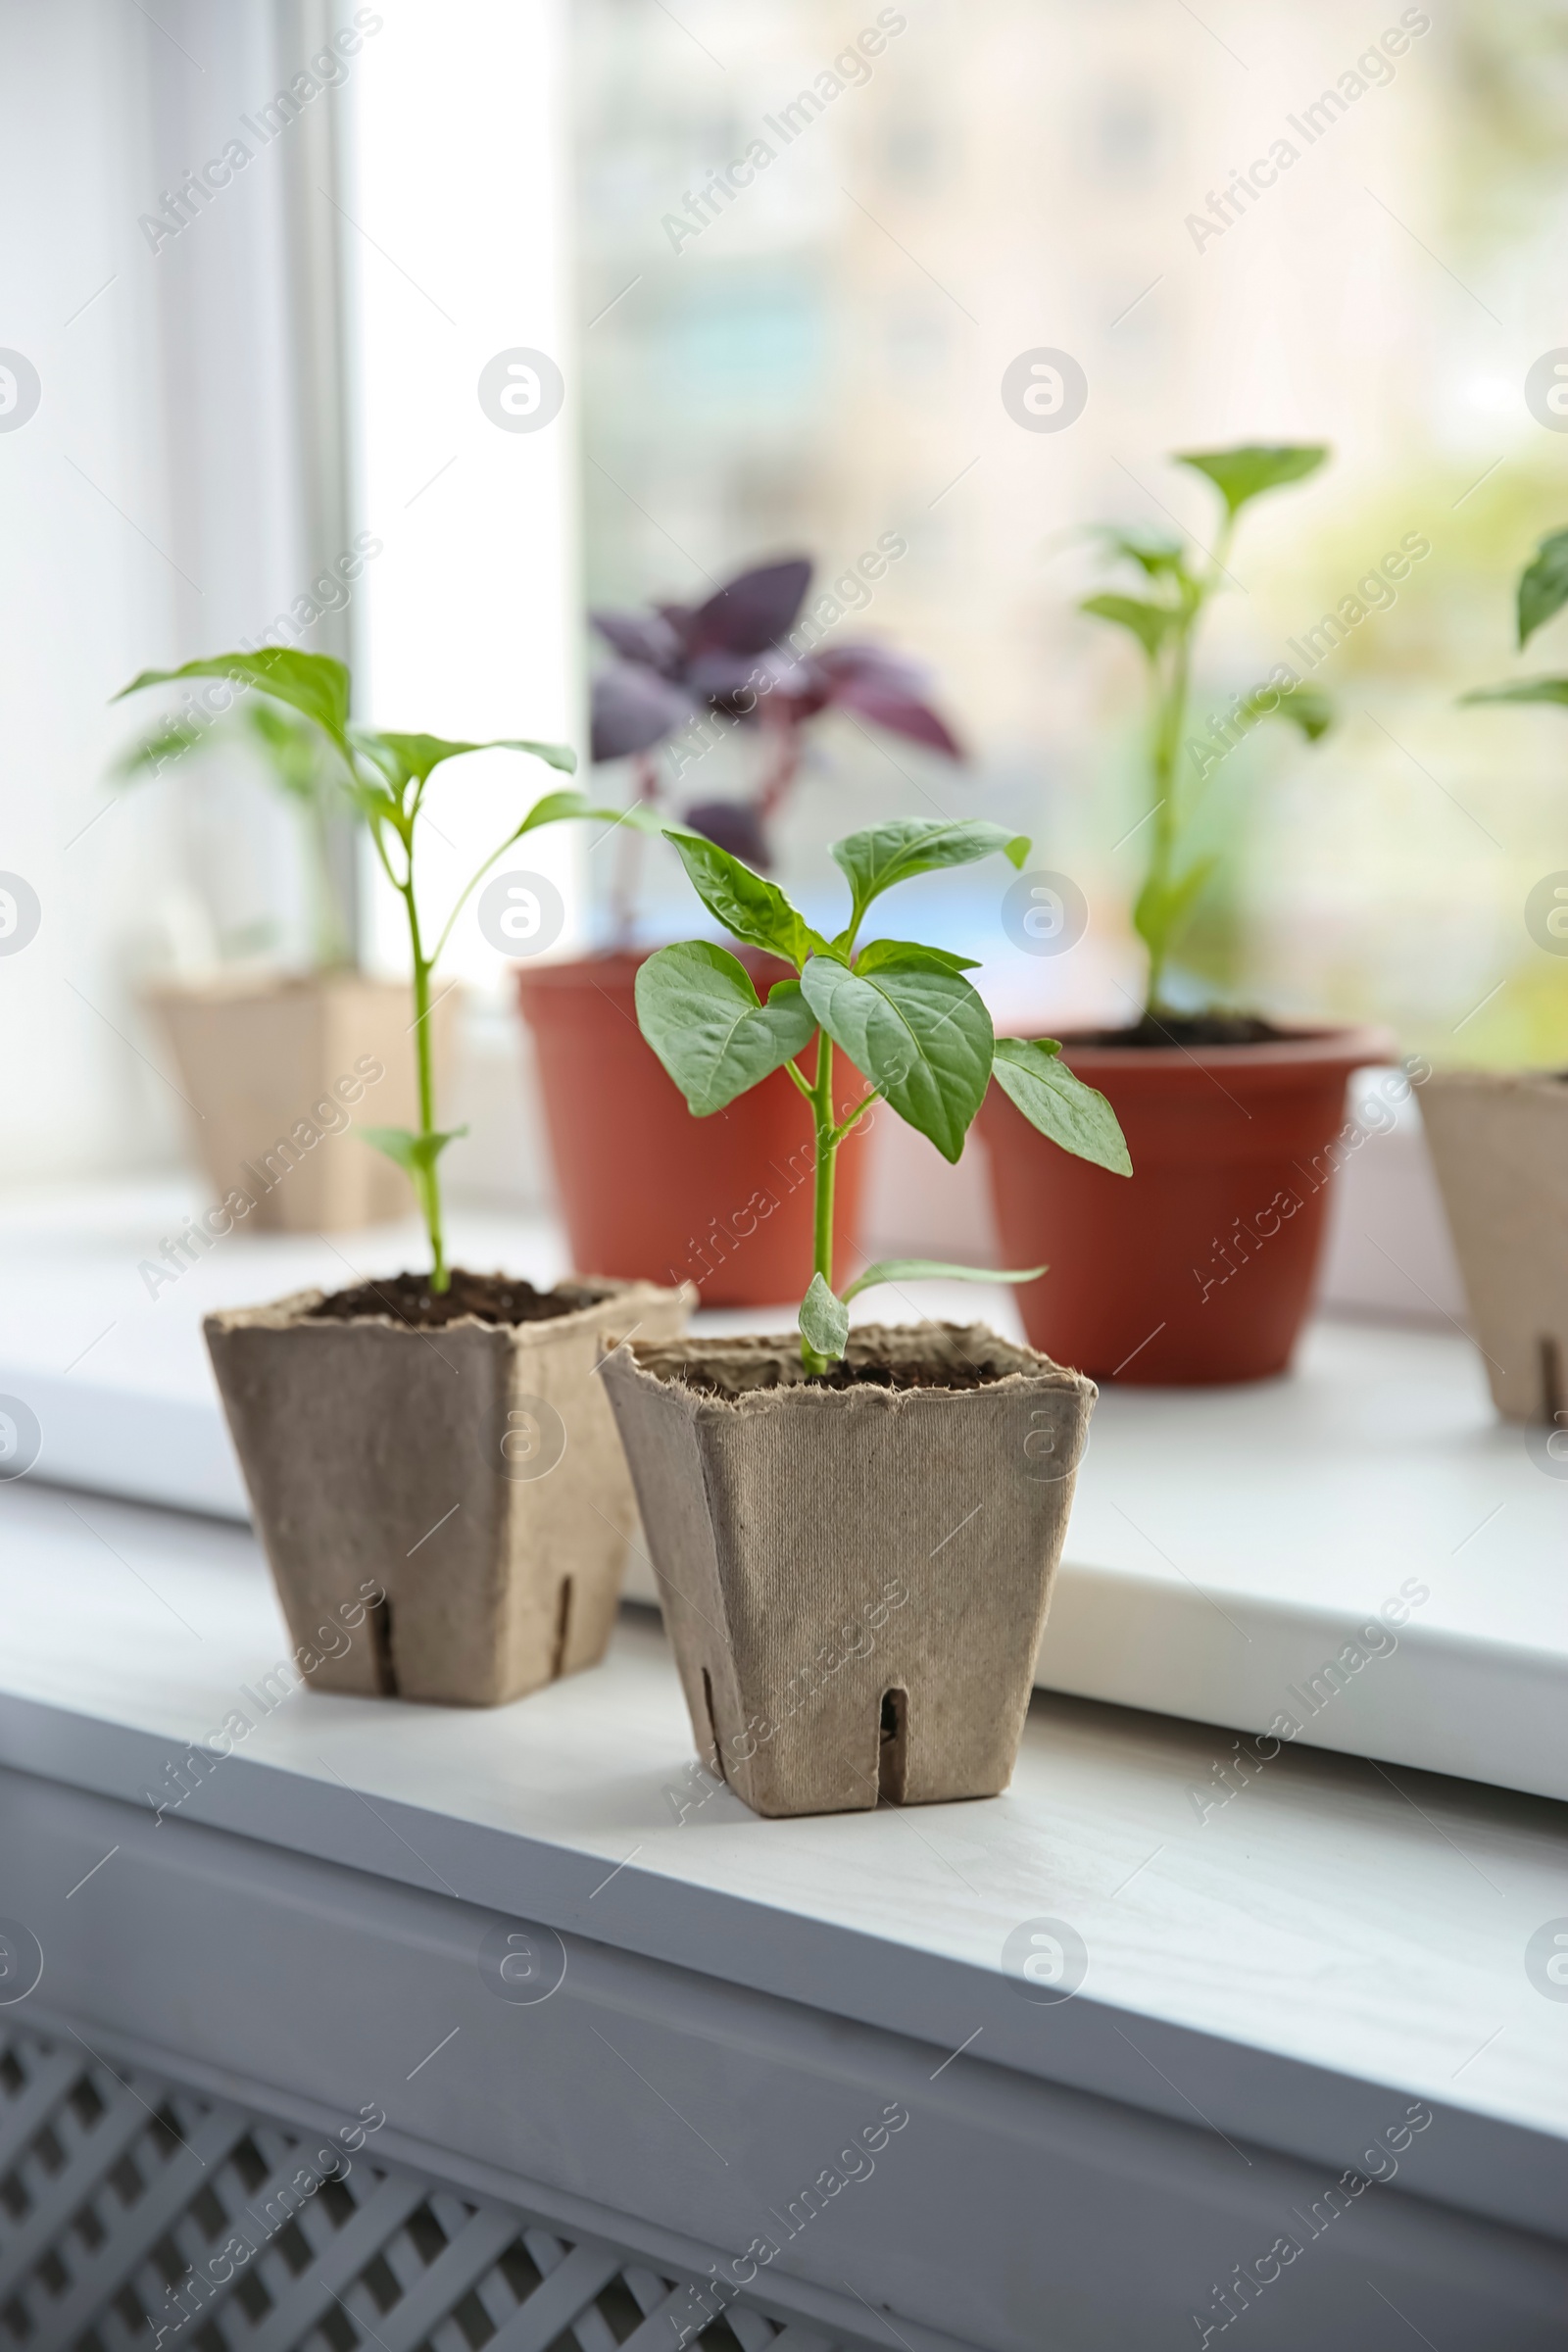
(556,806)
(311,683)
(411,1151)
(749,908)
(906,951)
(1307,707)
(1154,551)
(1523,690)
(921,1035)
(1238,474)
(1162,909)
(1031,1074)
(698,1010)
(410,758)
(932,1269)
(1150,623)
(907,845)
(1543,585)
(824,1320)
(290,745)
(158,750)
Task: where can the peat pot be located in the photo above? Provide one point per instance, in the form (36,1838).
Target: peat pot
(646,1190)
(854,1573)
(278,1070)
(468,1480)
(1200,1267)
(1499,1144)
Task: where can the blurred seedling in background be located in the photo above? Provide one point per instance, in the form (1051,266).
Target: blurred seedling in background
(383,777)
(1176,588)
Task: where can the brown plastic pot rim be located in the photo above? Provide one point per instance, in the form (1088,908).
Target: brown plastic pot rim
(1350,1049)
(578,972)
(293,1313)
(621,965)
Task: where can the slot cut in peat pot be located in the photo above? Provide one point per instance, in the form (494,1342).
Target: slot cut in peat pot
(379,1615)
(563,1627)
(712,1727)
(892,1757)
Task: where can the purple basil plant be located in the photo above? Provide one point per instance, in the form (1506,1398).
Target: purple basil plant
(746,658)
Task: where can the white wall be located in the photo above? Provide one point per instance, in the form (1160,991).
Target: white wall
(149,511)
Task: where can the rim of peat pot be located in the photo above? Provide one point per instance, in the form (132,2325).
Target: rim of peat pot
(1200,1270)
(854,1576)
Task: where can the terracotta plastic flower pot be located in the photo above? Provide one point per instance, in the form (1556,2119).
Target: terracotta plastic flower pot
(1499,1144)
(470,1475)
(649,1191)
(1200,1266)
(278,1069)
(854,1577)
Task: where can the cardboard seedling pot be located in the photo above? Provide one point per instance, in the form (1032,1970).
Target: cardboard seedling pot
(278,1072)
(1499,1144)
(854,1580)
(725,1202)
(1201,1268)
(471,1474)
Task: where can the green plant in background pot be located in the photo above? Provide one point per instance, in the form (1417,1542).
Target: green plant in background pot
(1175,591)
(788,1489)
(303,768)
(1499,1138)
(262,1051)
(434,1438)
(1207,1275)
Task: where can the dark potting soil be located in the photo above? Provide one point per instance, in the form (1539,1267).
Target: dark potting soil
(409,1297)
(904,1376)
(1195,1029)
(857,1376)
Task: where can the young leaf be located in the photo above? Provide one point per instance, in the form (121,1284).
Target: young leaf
(411,1151)
(1307,707)
(931,1269)
(1152,551)
(749,908)
(1543,585)
(824,1320)
(1238,474)
(1162,908)
(1031,1074)
(1150,623)
(698,1010)
(156,752)
(312,683)
(1522,690)
(559,804)
(921,1035)
(906,951)
(874,861)
(411,757)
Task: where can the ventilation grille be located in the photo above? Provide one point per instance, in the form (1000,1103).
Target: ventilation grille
(128,2205)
